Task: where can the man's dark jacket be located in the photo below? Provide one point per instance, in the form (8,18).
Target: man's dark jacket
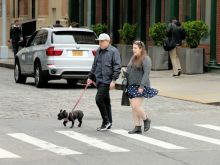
(106,66)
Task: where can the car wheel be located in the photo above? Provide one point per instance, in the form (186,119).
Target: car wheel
(40,80)
(71,82)
(19,78)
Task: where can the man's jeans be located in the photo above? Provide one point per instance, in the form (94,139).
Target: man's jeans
(103,102)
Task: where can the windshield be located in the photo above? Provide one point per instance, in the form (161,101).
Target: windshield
(73,37)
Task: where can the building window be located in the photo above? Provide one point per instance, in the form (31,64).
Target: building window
(206,17)
(186,10)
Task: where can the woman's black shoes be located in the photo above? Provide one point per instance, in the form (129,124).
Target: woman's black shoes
(136,130)
(147,124)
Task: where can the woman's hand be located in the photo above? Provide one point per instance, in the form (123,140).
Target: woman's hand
(140,90)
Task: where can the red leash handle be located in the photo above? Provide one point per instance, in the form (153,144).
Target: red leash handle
(80,97)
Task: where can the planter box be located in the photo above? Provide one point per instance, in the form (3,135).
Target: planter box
(159,58)
(125,53)
(191,60)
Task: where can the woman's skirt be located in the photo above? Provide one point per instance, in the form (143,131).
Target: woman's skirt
(147,93)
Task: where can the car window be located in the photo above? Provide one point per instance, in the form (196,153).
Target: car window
(30,40)
(72,37)
(40,38)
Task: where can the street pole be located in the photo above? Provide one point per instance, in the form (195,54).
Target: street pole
(4,47)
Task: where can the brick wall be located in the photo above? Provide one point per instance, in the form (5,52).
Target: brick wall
(218,33)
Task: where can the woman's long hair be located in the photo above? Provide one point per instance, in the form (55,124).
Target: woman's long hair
(137,61)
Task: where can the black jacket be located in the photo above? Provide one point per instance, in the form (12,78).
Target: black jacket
(175,32)
(15,33)
(106,66)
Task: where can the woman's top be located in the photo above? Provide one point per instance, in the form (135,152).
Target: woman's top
(139,76)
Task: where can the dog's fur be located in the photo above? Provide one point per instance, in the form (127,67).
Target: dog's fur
(71,116)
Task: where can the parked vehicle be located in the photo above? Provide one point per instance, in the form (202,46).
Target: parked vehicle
(56,53)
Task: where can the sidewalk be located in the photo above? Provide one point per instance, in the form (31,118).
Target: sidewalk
(8,63)
(202,88)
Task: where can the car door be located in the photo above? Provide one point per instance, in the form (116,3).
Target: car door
(37,49)
(25,52)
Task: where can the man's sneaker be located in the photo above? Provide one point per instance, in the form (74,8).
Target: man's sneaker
(101,127)
(105,127)
(110,126)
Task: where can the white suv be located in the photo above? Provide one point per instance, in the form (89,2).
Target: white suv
(56,53)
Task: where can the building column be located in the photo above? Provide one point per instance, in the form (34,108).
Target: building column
(81,13)
(157,11)
(104,12)
(127,11)
(4,47)
(162,10)
(193,9)
(174,9)
(73,11)
(114,20)
(212,61)
(198,10)
(90,12)
(141,20)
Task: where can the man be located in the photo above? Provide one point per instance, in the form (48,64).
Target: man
(105,70)
(57,24)
(176,32)
(16,36)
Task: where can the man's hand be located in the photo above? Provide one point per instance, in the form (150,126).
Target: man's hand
(112,85)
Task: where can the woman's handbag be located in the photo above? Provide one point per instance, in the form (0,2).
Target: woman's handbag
(125,99)
(121,83)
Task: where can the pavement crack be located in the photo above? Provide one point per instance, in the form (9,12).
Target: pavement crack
(170,157)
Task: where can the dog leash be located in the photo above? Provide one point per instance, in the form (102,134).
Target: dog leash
(81,95)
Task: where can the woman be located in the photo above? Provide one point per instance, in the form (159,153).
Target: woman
(138,71)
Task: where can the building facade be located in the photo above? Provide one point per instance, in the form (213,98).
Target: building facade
(35,13)
(114,13)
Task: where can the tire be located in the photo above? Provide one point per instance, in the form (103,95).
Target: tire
(71,82)
(19,78)
(40,78)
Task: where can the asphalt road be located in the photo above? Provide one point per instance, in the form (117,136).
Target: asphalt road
(182,133)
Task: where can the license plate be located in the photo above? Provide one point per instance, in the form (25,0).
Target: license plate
(77,53)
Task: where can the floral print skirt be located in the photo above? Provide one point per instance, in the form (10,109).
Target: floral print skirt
(147,93)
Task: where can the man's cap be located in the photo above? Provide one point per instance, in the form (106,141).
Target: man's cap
(103,36)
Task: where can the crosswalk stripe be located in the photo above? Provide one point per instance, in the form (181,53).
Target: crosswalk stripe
(43,144)
(145,139)
(7,154)
(93,141)
(188,134)
(213,127)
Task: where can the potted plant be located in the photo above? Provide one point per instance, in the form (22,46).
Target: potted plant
(99,28)
(127,35)
(192,57)
(159,56)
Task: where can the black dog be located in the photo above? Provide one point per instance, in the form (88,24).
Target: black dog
(71,116)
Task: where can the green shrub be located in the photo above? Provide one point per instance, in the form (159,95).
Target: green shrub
(157,32)
(99,28)
(195,30)
(128,33)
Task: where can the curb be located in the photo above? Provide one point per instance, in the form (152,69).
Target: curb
(5,65)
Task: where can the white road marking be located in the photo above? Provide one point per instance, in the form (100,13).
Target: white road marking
(7,154)
(43,144)
(93,141)
(189,135)
(145,139)
(213,127)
